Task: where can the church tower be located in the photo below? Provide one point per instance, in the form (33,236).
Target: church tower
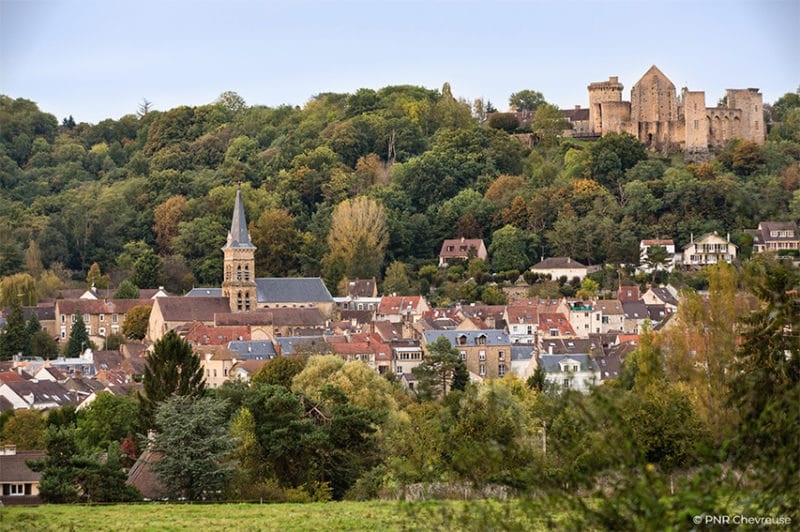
(239,284)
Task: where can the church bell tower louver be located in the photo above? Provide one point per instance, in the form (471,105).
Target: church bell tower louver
(239,284)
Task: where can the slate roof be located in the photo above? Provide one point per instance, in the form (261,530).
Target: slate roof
(42,313)
(635,310)
(493,337)
(13,467)
(204,292)
(663,293)
(238,236)
(610,364)
(292,290)
(107,360)
(279,317)
(253,349)
(100,306)
(522,352)
(44,392)
(188,309)
(561,346)
(551,363)
(5,405)
(762,234)
(289,343)
(557,263)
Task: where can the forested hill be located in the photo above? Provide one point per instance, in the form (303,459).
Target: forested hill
(157,188)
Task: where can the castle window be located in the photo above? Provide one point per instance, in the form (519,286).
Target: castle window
(247,301)
(696,124)
(227,273)
(239,301)
(239,273)
(247,273)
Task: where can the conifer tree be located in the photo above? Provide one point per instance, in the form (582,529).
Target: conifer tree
(14,338)
(78,338)
(172,369)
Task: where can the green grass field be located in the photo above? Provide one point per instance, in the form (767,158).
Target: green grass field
(373,515)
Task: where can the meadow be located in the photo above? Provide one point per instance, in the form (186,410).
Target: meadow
(370,515)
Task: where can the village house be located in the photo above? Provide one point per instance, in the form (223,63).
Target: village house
(461,249)
(612,315)
(662,295)
(557,267)
(523,360)
(710,248)
(522,318)
(18,484)
(645,265)
(486,352)
(570,372)
(554,325)
(217,362)
(775,237)
(582,315)
(397,309)
(101,317)
(35,394)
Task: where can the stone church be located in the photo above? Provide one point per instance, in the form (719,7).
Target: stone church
(666,122)
(246,293)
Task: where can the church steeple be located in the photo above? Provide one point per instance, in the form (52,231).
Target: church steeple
(239,284)
(238,236)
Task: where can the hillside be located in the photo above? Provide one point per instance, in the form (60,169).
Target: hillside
(117,191)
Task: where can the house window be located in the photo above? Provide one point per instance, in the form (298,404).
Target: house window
(566,383)
(102,317)
(63,334)
(399,370)
(501,370)
(501,355)
(63,318)
(463,355)
(482,369)
(462,340)
(74,318)
(14,489)
(102,331)
(481,340)
(114,318)
(605,319)
(554,331)
(86,318)
(482,355)
(225,372)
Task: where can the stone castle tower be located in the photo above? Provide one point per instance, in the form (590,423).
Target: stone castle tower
(665,123)
(239,284)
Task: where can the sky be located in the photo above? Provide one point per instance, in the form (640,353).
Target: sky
(100,59)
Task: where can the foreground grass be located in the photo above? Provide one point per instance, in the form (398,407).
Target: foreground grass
(370,515)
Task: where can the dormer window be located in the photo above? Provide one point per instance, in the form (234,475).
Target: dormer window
(481,340)
(462,340)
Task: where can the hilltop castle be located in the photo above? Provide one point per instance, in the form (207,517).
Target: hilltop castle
(666,123)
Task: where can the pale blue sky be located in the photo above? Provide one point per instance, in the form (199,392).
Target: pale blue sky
(99,59)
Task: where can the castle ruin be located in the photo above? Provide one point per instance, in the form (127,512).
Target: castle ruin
(665,123)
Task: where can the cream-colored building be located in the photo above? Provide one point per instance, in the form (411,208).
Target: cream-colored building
(710,248)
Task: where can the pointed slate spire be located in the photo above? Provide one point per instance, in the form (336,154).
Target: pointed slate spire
(238,236)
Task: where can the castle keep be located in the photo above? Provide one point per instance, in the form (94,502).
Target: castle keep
(666,123)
